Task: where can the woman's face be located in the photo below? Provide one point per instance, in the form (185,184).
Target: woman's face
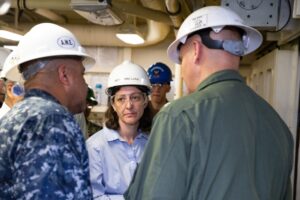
(129,104)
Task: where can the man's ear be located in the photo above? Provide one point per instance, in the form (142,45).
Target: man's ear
(8,88)
(63,74)
(197,45)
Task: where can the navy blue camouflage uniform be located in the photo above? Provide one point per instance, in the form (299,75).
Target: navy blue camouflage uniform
(42,151)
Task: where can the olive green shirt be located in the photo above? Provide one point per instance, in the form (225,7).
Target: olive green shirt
(221,142)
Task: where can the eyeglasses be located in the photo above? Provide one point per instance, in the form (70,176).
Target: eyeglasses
(158,85)
(121,99)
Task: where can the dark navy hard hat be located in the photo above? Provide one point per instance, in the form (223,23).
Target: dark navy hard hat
(159,73)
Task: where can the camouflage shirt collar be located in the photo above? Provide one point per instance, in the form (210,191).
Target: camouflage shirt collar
(40,93)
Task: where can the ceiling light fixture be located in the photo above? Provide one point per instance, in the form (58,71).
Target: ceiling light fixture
(11,47)
(129,34)
(10,35)
(4,6)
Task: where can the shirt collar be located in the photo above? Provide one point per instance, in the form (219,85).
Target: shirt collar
(220,76)
(112,135)
(5,106)
(40,93)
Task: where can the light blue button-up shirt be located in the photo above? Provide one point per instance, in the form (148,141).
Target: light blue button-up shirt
(112,162)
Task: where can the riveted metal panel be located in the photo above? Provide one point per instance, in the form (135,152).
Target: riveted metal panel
(262,14)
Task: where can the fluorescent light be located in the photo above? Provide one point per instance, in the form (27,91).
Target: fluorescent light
(130,38)
(129,34)
(11,47)
(4,7)
(10,35)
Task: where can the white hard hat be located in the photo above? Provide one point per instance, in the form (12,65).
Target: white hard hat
(128,73)
(9,70)
(49,40)
(215,17)
(3,55)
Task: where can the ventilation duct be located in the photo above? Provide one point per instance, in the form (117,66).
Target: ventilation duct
(98,12)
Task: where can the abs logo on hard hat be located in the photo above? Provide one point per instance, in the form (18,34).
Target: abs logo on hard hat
(200,21)
(66,42)
(131,79)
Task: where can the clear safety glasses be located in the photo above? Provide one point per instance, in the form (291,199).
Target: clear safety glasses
(158,85)
(122,99)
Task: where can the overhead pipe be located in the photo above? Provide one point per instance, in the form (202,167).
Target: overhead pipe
(96,35)
(51,15)
(174,9)
(142,12)
(61,5)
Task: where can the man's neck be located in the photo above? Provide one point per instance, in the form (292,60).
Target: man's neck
(158,105)
(9,102)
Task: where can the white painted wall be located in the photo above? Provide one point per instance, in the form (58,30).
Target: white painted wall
(276,78)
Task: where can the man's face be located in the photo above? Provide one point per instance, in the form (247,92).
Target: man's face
(78,88)
(187,58)
(159,92)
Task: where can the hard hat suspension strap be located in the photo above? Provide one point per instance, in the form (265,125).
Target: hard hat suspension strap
(232,46)
(34,68)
